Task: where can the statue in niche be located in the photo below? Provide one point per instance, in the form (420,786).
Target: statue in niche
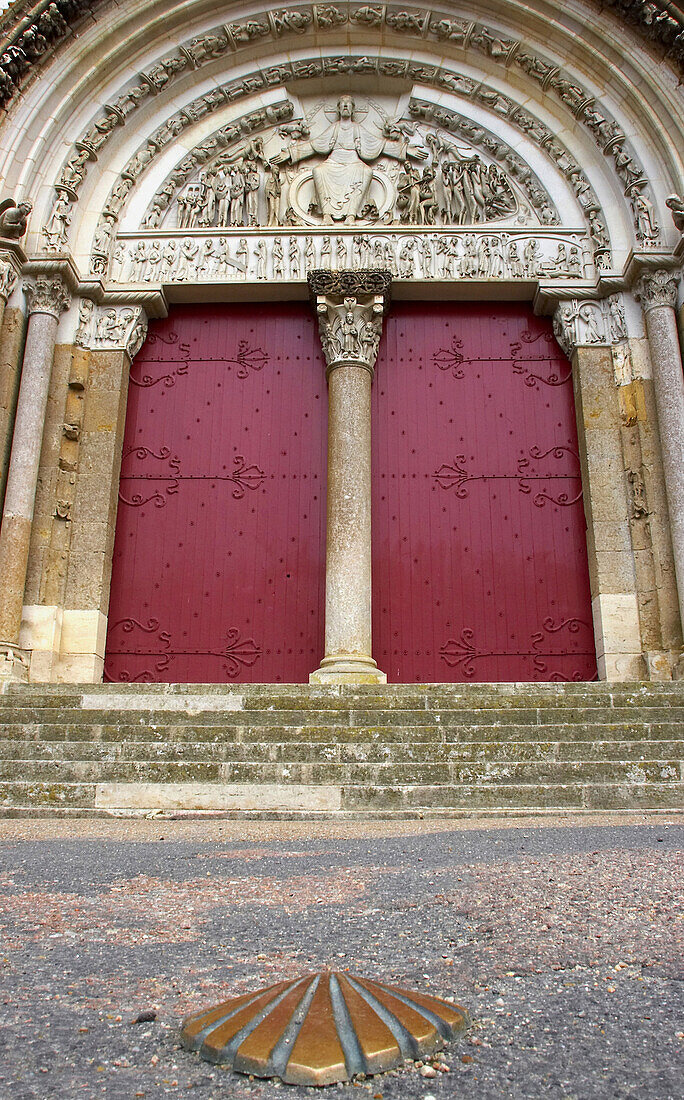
(342,182)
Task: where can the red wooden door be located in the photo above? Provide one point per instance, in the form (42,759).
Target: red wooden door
(218,566)
(479,549)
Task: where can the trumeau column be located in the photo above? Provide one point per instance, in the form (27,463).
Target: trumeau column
(657,292)
(47,300)
(350,308)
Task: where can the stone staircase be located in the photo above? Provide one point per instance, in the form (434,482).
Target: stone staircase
(294,750)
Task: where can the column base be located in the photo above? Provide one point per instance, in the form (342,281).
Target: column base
(348,668)
(14,664)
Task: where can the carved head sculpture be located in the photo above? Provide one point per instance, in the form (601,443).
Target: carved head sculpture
(345,107)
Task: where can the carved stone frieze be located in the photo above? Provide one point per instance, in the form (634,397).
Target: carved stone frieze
(587,323)
(215,257)
(657,288)
(350,307)
(47,295)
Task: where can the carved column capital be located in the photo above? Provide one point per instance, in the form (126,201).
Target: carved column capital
(111,328)
(589,323)
(47,295)
(350,306)
(657,288)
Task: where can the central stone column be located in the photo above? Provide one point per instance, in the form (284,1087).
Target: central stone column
(350,307)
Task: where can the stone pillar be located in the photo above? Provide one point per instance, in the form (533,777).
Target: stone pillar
(47,299)
(657,292)
(350,307)
(107,340)
(586,330)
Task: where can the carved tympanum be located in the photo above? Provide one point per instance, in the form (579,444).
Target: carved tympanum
(350,163)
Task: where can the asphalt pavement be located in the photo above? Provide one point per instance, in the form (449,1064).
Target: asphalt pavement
(563,940)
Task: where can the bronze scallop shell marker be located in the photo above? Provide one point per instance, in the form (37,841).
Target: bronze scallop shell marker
(322,1028)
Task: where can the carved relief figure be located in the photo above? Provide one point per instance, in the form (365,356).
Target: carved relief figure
(56,228)
(676,206)
(644,216)
(342,182)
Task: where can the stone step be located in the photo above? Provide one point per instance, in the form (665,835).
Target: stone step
(428,751)
(299,749)
(539,716)
(338,774)
(24,796)
(396,691)
(441,733)
(154,698)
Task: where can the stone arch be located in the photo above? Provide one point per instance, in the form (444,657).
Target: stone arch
(494,45)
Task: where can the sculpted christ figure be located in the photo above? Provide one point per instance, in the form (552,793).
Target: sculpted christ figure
(342,181)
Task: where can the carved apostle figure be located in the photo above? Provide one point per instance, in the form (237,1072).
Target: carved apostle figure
(342,181)
(56,228)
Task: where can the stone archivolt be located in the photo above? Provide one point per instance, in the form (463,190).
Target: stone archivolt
(49,23)
(457,33)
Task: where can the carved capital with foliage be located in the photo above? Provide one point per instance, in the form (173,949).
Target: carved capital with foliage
(657,288)
(47,295)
